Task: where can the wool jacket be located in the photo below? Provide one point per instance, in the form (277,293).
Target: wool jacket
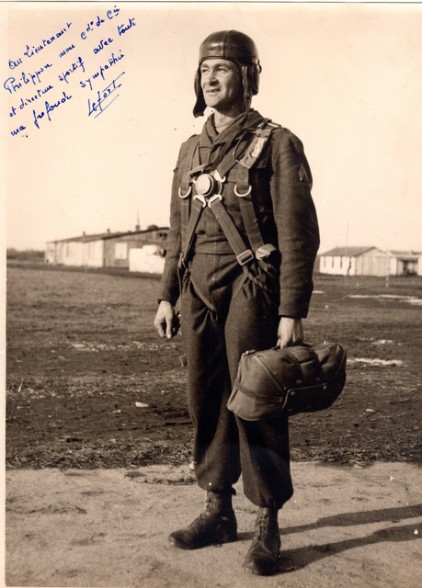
(281,184)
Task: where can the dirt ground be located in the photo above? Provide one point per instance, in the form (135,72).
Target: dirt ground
(345,527)
(90,384)
(98,438)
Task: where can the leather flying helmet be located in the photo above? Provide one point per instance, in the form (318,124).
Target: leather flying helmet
(232,46)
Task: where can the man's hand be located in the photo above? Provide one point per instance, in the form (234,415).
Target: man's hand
(166,320)
(290,332)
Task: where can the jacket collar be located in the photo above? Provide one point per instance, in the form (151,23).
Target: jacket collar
(247,121)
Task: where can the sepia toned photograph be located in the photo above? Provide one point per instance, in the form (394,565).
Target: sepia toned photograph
(212,294)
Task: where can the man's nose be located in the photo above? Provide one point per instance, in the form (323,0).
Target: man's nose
(210,77)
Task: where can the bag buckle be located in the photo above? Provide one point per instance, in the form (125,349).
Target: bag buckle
(245,257)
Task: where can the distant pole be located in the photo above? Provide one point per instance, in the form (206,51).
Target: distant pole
(347,245)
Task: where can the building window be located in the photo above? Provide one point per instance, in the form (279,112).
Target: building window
(120,250)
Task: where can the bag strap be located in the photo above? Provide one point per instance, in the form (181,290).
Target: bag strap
(243,254)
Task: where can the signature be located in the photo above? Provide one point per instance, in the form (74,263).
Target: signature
(103,101)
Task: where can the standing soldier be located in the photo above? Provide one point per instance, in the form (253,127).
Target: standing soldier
(241,249)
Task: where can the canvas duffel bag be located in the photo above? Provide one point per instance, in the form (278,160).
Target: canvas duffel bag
(301,378)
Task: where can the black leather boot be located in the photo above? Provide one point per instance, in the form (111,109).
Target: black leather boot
(217,524)
(263,557)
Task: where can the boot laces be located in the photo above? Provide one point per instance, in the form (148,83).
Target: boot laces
(263,527)
(266,528)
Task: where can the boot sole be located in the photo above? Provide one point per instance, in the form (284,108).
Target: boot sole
(220,541)
(274,568)
(257,572)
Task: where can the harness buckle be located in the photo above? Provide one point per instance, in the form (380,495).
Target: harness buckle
(214,198)
(245,257)
(207,184)
(207,200)
(201,199)
(208,188)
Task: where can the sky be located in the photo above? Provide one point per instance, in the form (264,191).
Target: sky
(89,148)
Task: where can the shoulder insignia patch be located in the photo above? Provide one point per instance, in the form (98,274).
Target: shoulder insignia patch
(258,145)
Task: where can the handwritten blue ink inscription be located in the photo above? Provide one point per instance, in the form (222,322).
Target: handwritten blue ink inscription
(67,50)
(78,64)
(49,108)
(44,43)
(12,84)
(101,71)
(124,28)
(99,21)
(60,65)
(103,43)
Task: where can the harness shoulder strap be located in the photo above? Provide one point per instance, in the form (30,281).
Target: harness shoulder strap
(243,188)
(190,160)
(187,161)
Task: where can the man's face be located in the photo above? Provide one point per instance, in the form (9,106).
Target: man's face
(221,84)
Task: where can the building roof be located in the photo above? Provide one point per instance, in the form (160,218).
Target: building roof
(406,255)
(86,238)
(107,235)
(136,232)
(347,251)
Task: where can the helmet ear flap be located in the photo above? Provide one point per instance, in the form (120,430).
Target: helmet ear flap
(250,80)
(247,94)
(200,106)
(253,78)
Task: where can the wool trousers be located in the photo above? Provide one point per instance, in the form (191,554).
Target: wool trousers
(225,312)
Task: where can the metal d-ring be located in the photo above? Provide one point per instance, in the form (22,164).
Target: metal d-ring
(249,190)
(183,196)
(218,177)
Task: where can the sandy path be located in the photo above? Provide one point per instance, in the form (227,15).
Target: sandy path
(343,527)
